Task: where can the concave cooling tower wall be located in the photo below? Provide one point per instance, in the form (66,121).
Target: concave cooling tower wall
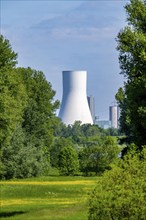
(74,106)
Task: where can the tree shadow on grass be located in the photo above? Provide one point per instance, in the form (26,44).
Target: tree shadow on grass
(10,214)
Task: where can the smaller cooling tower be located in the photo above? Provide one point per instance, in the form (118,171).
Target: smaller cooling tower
(74,106)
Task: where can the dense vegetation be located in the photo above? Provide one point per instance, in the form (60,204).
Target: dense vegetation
(121,192)
(96,151)
(132,57)
(27,115)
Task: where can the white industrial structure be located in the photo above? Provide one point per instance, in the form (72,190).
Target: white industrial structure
(74,106)
(114,116)
(91,104)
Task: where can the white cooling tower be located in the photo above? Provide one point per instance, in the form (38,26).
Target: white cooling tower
(74,106)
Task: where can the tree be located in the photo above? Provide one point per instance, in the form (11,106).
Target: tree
(112,132)
(21,159)
(92,130)
(12,94)
(39,114)
(80,134)
(120,193)
(56,147)
(68,163)
(97,157)
(88,159)
(27,117)
(132,57)
(8,58)
(13,99)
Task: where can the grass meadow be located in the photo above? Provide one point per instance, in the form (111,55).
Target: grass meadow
(46,198)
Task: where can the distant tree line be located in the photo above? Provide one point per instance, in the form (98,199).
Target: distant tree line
(94,149)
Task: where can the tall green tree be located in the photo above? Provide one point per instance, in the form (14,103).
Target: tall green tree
(27,117)
(39,114)
(12,92)
(68,163)
(56,147)
(13,99)
(132,57)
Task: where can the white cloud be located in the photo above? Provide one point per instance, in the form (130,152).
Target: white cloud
(88,34)
(91,21)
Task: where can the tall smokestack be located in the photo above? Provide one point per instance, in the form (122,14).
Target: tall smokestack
(74,106)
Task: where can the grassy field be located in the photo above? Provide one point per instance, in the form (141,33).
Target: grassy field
(47,198)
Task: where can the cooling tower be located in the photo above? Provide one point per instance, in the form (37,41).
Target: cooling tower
(74,106)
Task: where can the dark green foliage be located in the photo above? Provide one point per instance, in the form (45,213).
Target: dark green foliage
(59,128)
(79,133)
(113,132)
(57,145)
(132,58)
(21,159)
(97,157)
(121,192)
(95,151)
(68,163)
(88,158)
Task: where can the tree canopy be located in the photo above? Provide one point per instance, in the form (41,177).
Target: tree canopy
(121,192)
(68,163)
(132,57)
(27,117)
(8,58)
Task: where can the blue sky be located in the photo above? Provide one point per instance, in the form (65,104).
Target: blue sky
(53,36)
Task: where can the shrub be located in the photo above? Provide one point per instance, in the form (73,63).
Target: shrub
(68,163)
(121,193)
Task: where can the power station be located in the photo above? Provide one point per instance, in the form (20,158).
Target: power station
(114,116)
(74,105)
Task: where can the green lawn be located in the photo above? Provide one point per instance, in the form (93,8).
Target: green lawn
(54,198)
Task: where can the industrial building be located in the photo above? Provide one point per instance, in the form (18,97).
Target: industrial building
(74,105)
(91,103)
(114,116)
